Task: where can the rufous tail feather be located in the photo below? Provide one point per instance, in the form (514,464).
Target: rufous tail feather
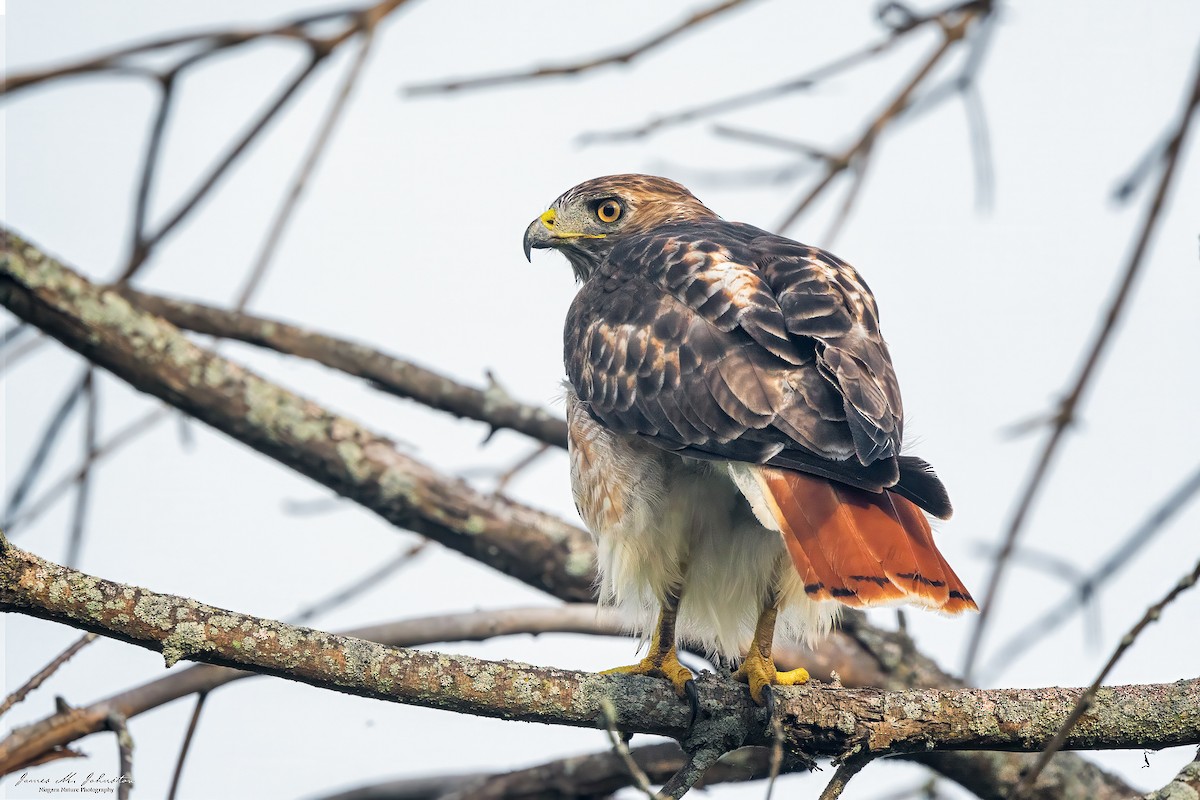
(859,547)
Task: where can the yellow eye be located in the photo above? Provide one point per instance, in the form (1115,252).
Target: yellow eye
(608,211)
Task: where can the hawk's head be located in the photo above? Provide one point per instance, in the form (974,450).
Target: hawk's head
(587,221)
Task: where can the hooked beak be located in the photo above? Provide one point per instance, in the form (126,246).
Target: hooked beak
(545,232)
(539,234)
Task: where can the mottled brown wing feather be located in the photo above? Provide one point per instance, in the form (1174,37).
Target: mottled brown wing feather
(721,341)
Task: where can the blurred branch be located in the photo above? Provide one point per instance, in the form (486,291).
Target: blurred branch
(177,775)
(83,486)
(797,84)
(816,719)
(46,442)
(591,775)
(45,672)
(361,584)
(115,442)
(118,725)
(300,181)
(200,47)
(1086,586)
(561,70)
(1087,699)
(954,22)
(154,357)
(392,375)
(1074,397)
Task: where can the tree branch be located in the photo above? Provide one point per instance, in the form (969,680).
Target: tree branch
(820,720)
(393,375)
(154,357)
(62,728)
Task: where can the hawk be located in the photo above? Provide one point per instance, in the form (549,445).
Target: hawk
(734,430)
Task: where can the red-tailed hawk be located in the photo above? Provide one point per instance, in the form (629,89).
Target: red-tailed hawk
(735,430)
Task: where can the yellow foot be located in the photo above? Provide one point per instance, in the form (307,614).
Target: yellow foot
(760,673)
(660,665)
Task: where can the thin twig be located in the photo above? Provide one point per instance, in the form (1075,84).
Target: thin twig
(859,174)
(45,444)
(83,486)
(506,477)
(955,23)
(118,725)
(621,748)
(764,94)
(560,70)
(1084,704)
(20,351)
(141,254)
(841,777)
(137,236)
(492,405)
(201,697)
(1087,585)
(360,585)
(45,672)
(284,214)
(1068,407)
(118,440)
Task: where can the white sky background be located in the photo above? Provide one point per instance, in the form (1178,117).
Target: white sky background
(408,239)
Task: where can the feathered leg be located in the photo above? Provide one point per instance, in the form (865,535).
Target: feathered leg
(663,661)
(758,669)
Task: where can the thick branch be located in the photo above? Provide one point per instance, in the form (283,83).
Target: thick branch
(817,719)
(153,356)
(393,375)
(64,727)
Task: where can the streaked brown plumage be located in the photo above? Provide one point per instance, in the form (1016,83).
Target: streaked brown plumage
(731,402)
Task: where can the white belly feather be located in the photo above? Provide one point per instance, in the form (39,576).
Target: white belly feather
(662,521)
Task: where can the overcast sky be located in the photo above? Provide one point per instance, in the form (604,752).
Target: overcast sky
(408,239)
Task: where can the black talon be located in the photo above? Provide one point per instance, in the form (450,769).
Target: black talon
(769,702)
(693,696)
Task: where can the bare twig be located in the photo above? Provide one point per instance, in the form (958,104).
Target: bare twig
(1087,585)
(955,23)
(765,94)
(118,440)
(561,70)
(506,477)
(45,444)
(1088,697)
(187,744)
(20,351)
(841,777)
(118,725)
(393,375)
(284,214)
(1074,397)
(621,748)
(360,585)
(45,672)
(82,488)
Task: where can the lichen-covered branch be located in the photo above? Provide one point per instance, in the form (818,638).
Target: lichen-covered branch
(817,719)
(391,374)
(154,357)
(66,726)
